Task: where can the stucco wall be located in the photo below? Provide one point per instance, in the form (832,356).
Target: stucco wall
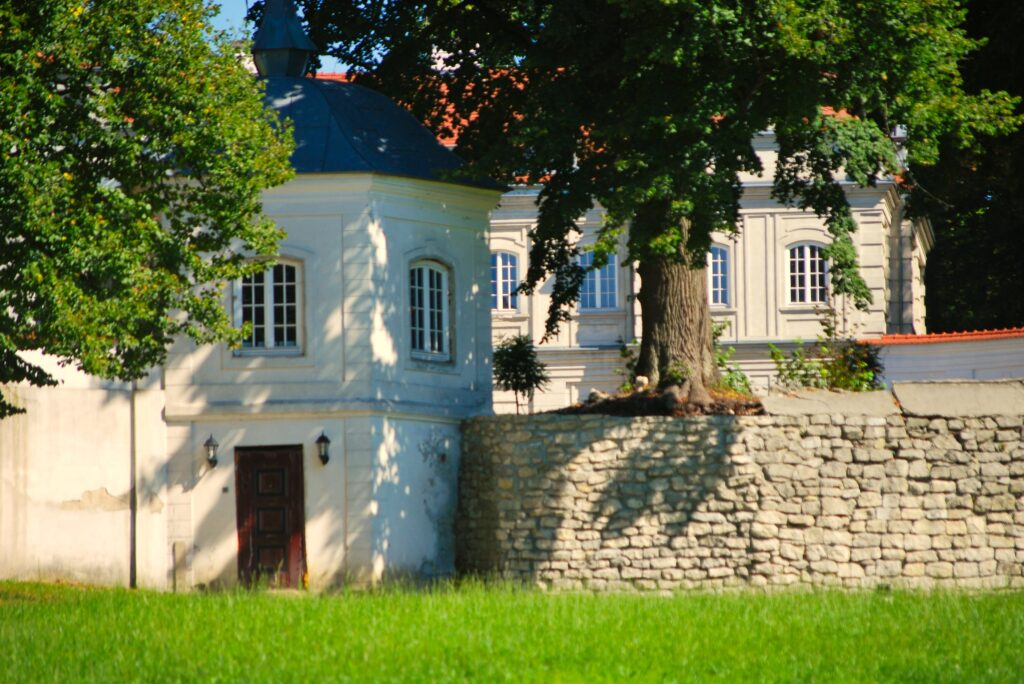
(65,482)
(852,490)
(353,237)
(966,359)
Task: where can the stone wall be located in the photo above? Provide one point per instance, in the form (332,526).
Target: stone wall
(828,489)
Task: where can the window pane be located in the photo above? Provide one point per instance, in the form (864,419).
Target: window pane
(436,312)
(816,269)
(504,280)
(416,308)
(495,285)
(588,290)
(285,306)
(510,280)
(719,275)
(797,277)
(270,305)
(428,305)
(600,288)
(607,284)
(252,310)
(808,279)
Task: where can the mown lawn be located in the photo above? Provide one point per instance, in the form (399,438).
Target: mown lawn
(475,633)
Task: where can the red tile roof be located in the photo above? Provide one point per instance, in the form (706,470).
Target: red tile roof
(935,338)
(333,76)
(448,141)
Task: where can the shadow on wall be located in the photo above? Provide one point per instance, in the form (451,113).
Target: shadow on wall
(214,527)
(415,498)
(600,505)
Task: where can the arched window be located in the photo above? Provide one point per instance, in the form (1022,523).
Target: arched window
(718,276)
(808,274)
(429,311)
(504,281)
(600,286)
(271,303)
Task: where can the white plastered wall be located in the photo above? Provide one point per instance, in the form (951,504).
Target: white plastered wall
(331,524)
(65,480)
(416,465)
(354,237)
(965,359)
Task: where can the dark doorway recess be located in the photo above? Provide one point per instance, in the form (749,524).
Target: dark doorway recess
(271,516)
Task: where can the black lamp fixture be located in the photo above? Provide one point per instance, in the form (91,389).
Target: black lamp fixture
(322,444)
(211,450)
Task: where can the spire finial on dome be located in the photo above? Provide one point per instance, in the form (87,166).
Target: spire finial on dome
(280,46)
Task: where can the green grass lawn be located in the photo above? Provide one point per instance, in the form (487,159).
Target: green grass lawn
(484,634)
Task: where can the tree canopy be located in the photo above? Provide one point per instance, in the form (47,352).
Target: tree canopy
(975,197)
(133,151)
(649,107)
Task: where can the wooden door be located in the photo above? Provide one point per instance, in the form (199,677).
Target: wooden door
(271,516)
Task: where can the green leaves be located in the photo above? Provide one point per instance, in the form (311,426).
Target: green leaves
(649,107)
(836,362)
(133,153)
(517,368)
(649,104)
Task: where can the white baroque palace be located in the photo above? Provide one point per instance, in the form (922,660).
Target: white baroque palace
(767,281)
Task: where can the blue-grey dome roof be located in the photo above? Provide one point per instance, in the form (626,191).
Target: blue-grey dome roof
(346,128)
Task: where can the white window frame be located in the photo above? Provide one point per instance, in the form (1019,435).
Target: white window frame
(272,309)
(430,310)
(719,281)
(598,281)
(504,281)
(807,291)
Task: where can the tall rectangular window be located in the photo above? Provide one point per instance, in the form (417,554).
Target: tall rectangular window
(504,281)
(269,303)
(600,286)
(428,311)
(808,275)
(718,275)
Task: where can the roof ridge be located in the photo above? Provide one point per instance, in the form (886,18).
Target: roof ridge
(344,126)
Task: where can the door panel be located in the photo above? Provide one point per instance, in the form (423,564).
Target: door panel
(271,515)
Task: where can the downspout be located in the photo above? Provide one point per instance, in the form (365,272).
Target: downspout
(132,498)
(898,222)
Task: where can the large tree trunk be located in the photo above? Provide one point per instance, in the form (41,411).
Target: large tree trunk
(676,326)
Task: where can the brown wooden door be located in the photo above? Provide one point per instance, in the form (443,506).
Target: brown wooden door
(271,517)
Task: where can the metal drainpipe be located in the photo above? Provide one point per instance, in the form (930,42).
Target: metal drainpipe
(132,500)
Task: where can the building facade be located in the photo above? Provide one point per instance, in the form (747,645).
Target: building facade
(326,448)
(766,283)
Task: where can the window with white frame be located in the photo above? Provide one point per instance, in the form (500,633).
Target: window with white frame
(600,286)
(270,303)
(504,281)
(718,275)
(429,311)
(808,274)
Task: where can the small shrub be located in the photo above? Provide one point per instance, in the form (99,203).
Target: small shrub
(517,368)
(731,377)
(627,352)
(835,362)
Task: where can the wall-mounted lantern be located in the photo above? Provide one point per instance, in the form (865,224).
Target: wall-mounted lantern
(211,450)
(322,448)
